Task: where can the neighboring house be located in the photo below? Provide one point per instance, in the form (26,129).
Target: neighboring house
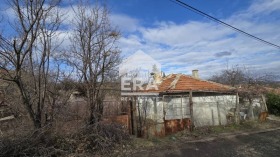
(179,101)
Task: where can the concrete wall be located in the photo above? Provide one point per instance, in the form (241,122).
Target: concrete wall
(176,107)
(206,109)
(153,107)
(164,115)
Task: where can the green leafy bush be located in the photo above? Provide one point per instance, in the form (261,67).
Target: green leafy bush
(273,103)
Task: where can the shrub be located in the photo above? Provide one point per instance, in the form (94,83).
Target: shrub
(98,138)
(273,103)
(39,143)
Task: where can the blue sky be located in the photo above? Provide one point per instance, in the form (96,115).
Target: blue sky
(182,40)
(149,11)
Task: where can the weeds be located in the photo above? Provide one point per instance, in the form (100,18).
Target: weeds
(94,139)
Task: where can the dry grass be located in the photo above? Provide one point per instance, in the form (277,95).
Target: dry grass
(97,139)
(109,140)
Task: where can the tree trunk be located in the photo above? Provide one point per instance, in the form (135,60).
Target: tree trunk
(92,107)
(36,118)
(96,110)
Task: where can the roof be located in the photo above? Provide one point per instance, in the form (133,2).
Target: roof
(183,83)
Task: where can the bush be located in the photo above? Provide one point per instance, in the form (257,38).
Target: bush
(273,103)
(94,139)
(39,143)
(100,138)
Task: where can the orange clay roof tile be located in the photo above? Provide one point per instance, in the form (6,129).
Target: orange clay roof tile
(181,82)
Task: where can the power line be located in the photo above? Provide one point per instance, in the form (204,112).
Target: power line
(185,5)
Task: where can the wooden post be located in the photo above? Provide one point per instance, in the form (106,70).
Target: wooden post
(155,109)
(251,111)
(182,116)
(191,109)
(213,121)
(164,113)
(219,116)
(237,111)
(131,117)
(134,108)
(264,103)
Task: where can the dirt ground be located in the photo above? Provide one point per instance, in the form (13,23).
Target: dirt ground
(213,141)
(253,145)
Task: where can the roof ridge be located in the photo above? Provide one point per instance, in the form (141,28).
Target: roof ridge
(174,82)
(218,84)
(168,76)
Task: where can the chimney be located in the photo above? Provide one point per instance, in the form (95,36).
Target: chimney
(195,74)
(157,76)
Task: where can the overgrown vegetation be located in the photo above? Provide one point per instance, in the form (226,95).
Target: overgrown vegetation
(41,79)
(273,103)
(250,86)
(93,53)
(93,139)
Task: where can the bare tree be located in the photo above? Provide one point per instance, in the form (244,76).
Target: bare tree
(249,84)
(254,86)
(94,53)
(26,59)
(237,75)
(231,76)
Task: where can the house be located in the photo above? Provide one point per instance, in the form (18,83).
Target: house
(179,102)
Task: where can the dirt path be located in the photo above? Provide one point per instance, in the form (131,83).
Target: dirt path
(258,144)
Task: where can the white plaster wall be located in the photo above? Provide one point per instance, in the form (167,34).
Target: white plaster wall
(172,106)
(206,106)
(256,102)
(154,110)
(202,108)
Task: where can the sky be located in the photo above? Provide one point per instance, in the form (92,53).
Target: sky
(181,40)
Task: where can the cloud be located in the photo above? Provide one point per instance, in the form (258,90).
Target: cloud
(184,34)
(222,54)
(203,45)
(124,22)
(208,46)
(264,7)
